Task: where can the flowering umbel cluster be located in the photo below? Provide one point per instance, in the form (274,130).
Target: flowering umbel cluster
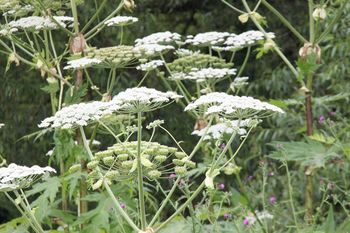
(232,106)
(119,162)
(18,177)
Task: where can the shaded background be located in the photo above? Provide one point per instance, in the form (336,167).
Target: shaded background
(23,104)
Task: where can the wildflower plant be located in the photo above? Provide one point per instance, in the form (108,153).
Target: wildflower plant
(192,69)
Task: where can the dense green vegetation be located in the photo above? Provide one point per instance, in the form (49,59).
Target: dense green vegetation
(294,171)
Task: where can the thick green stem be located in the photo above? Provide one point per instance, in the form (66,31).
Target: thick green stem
(140,174)
(311,22)
(276,49)
(75,16)
(284,21)
(106,185)
(181,208)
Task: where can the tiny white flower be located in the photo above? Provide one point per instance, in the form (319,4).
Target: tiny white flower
(159,38)
(151,65)
(121,21)
(81,63)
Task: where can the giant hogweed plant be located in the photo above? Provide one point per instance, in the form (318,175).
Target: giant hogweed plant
(115,189)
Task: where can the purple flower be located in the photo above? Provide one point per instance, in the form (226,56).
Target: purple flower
(227,216)
(172,176)
(122,205)
(321,119)
(221,186)
(332,113)
(273,200)
(270,174)
(246,222)
(250,178)
(222,146)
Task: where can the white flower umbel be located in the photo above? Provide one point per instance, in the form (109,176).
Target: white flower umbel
(121,21)
(185,52)
(79,114)
(207,38)
(143,99)
(36,23)
(14,176)
(264,215)
(249,38)
(159,38)
(81,63)
(201,75)
(239,82)
(151,65)
(217,131)
(152,49)
(2,125)
(230,106)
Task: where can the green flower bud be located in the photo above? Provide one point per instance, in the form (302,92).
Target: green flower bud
(178,162)
(180,170)
(108,160)
(154,174)
(97,185)
(172,149)
(74,168)
(190,164)
(103,154)
(160,158)
(92,164)
(123,157)
(231,169)
(180,155)
(163,151)
(127,164)
(112,174)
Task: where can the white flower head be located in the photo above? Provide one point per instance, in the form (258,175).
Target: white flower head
(79,115)
(229,106)
(121,21)
(152,49)
(248,38)
(225,127)
(14,176)
(185,52)
(239,82)
(81,63)
(36,23)
(159,38)
(143,99)
(2,125)
(264,215)
(201,75)
(207,38)
(151,65)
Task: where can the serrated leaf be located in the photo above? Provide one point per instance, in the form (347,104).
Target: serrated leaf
(309,153)
(74,95)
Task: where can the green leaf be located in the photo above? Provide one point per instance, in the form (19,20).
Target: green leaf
(329,225)
(74,95)
(47,189)
(309,153)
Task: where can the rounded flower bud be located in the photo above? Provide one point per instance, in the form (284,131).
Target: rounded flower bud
(97,185)
(160,158)
(232,169)
(123,157)
(179,170)
(154,174)
(163,151)
(112,174)
(108,160)
(92,164)
(180,155)
(178,162)
(127,164)
(74,168)
(319,14)
(190,164)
